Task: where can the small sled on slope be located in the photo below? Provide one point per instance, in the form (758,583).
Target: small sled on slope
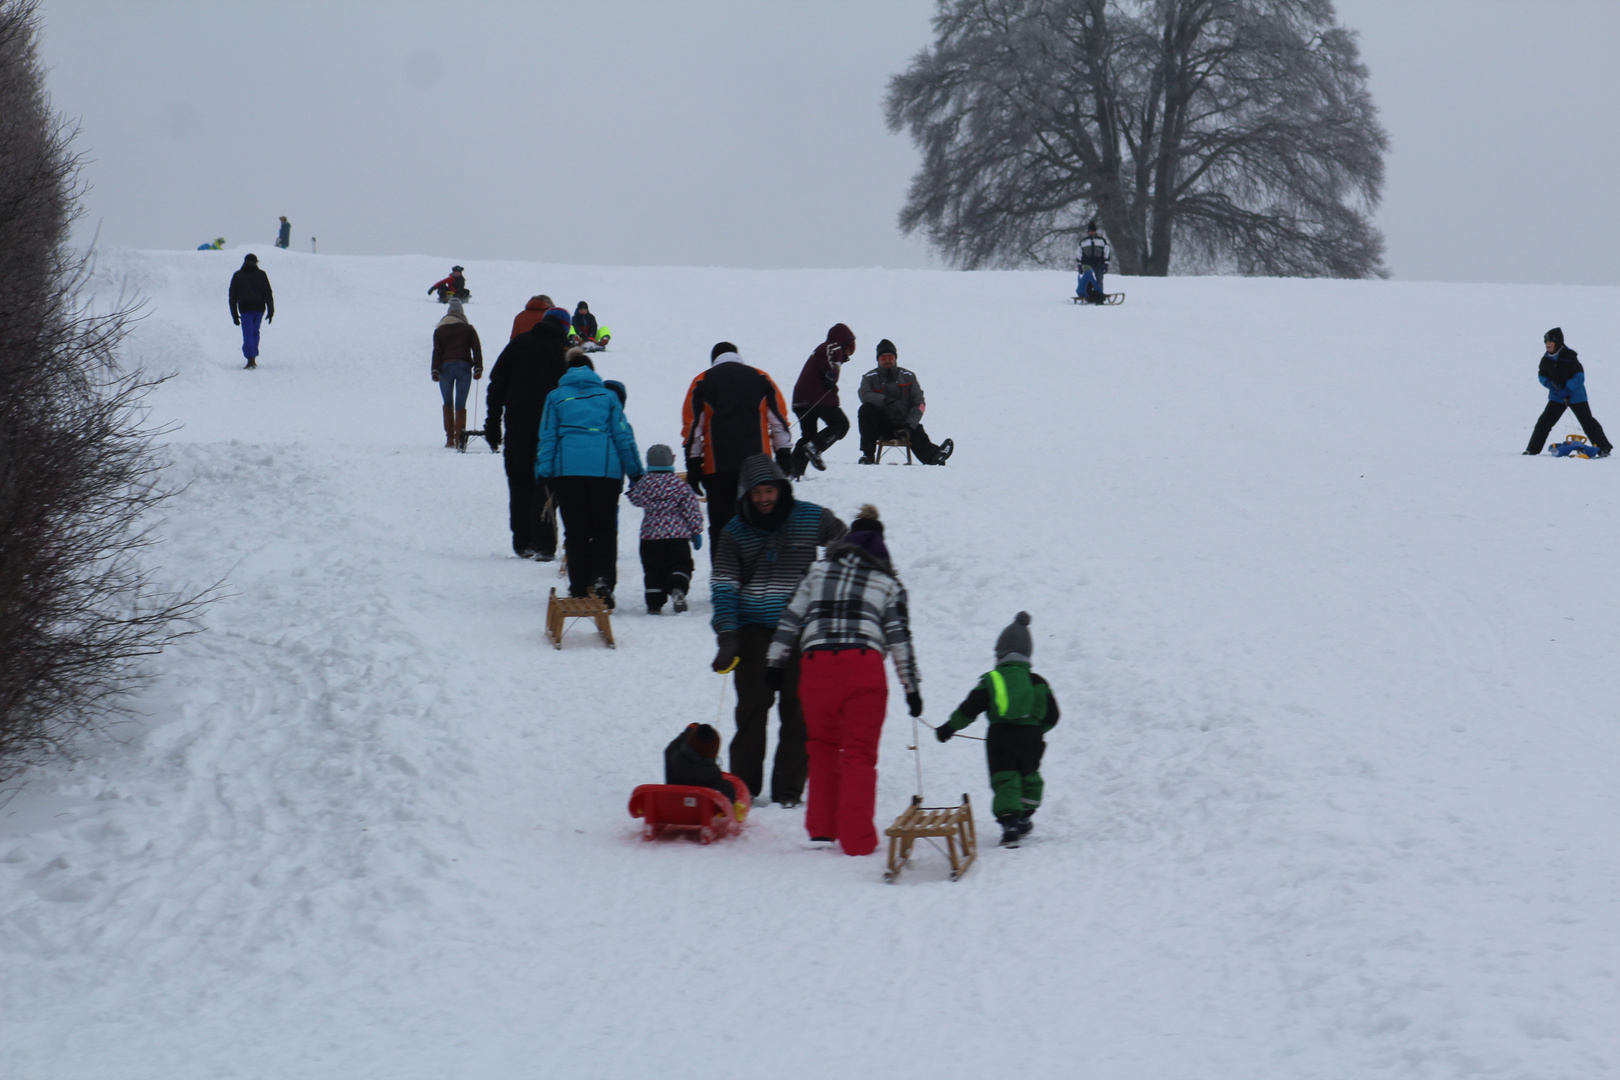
(1108,300)
(953,824)
(684,808)
(1574,446)
(562,608)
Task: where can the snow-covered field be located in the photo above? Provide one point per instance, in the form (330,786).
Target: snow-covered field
(1334,793)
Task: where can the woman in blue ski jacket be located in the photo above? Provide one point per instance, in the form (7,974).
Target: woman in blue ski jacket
(1561,373)
(586,448)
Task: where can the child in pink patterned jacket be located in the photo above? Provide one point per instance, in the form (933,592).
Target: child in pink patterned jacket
(671,524)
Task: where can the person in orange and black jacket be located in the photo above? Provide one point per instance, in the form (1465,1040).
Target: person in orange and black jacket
(732,412)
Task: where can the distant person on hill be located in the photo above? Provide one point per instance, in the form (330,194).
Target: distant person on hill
(1094,252)
(1561,373)
(732,411)
(671,522)
(532,313)
(451,287)
(217,245)
(584,322)
(586,449)
(525,373)
(892,402)
(251,300)
(458,359)
(1090,289)
(815,400)
(284,237)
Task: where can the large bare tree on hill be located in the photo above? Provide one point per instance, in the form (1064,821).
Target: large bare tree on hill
(1229,135)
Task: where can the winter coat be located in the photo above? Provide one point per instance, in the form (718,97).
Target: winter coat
(670,509)
(250,290)
(684,765)
(1010,694)
(1094,251)
(583,431)
(529,317)
(455,339)
(284,236)
(527,370)
(882,385)
(852,599)
(758,565)
(732,411)
(584,326)
(455,283)
(1561,373)
(818,382)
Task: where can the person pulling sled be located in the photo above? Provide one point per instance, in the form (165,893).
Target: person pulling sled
(1561,373)
(453,287)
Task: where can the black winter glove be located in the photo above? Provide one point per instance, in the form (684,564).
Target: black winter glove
(725,658)
(492,432)
(270,318)
(943,733)
(776,678)
(236,321)
(895,411)
(784,460)
(914,703)
(694,475)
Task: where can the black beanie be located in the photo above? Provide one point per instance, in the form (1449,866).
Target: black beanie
(719,349)
(1556,334)
(704,739)
(867,520)
(887,346)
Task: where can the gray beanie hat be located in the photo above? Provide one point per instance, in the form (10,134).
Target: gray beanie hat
(456,309)
(660,457)
(1014,642)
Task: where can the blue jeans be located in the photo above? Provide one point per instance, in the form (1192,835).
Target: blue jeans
(456,375)
(250,333)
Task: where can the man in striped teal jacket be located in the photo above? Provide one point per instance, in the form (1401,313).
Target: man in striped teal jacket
(760,556)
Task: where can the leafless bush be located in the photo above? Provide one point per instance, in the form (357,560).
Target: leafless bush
(79,476)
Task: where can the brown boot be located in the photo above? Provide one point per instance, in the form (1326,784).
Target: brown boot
(461,428)
(449,427)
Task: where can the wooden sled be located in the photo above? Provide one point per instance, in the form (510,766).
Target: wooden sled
(900,440)
(562,608)
(665,808)
(954,823)
(1109,300)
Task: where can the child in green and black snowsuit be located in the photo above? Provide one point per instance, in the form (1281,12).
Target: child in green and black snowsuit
(1021,710)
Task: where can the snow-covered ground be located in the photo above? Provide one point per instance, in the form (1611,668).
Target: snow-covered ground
(1334,793)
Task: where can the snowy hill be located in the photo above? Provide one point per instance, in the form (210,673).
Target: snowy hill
(1333,795)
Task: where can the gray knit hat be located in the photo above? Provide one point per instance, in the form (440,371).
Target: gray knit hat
(1014,642)
(456,309)
(660,458)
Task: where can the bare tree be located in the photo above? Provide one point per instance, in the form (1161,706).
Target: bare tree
(78,474)
(1202,134)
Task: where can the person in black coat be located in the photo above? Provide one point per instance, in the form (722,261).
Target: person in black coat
(251,300)
(1561,373)
(526,371)
(690,760)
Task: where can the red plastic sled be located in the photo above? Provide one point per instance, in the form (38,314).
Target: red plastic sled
(683,808)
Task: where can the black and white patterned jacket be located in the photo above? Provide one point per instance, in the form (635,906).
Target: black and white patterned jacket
(849,600)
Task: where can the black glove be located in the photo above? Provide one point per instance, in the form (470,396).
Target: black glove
(776,678)
(725,658)
(914,703)
(236,321)
(694,475)
(895,411)
(492,432)
(943,733)
(784,460)
(270,318)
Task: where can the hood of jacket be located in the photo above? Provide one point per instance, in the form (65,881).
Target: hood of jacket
(580,378)
(534,304)
(756,470)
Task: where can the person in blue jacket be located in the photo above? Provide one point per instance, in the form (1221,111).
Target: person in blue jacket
(586,448)
(1561,373)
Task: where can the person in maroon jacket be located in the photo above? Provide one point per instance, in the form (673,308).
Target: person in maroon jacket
(815,400)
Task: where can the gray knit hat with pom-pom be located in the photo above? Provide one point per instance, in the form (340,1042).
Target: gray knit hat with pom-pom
(1014,644)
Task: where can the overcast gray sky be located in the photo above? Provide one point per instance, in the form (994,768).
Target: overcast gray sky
(737,132)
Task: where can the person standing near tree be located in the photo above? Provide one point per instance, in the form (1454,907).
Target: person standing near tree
(1094,252)
(284,237)
(732,411)
(458,359)
(761,555)
(848,613)
(1561,373)
(815,400)
(251,300)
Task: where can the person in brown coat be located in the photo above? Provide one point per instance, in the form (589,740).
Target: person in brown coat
(532,313)
(458,359)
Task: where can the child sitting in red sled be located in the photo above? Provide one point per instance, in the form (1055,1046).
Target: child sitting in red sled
(681,801)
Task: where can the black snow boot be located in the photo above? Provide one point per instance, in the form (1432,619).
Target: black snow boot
(946,449)
(678,598)
(1024,822)
(603,592)
(1009,830)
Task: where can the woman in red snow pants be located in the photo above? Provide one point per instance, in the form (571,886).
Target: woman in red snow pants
(848,613)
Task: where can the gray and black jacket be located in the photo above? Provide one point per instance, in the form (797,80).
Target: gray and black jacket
(852,599)
(882,385)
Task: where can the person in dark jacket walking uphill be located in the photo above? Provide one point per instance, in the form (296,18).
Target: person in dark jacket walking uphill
(815,400)
(731,412)
(251,300)
(1561,373)
(458,359)
(586,448)
(892,402)
(761,555)
(850,610)
(527,370)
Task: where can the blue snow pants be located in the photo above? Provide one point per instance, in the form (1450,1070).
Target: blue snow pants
(250,333)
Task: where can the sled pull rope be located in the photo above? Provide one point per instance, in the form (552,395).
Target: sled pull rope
(720,712)
(958,735)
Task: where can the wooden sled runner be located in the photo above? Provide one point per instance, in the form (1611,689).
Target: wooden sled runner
(1109,299)
(901,440)
(683,808)
(562,608)
(953,823)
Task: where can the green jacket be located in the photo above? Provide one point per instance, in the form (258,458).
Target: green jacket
(1008,694)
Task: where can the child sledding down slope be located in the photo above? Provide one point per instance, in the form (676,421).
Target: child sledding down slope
(689,760)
